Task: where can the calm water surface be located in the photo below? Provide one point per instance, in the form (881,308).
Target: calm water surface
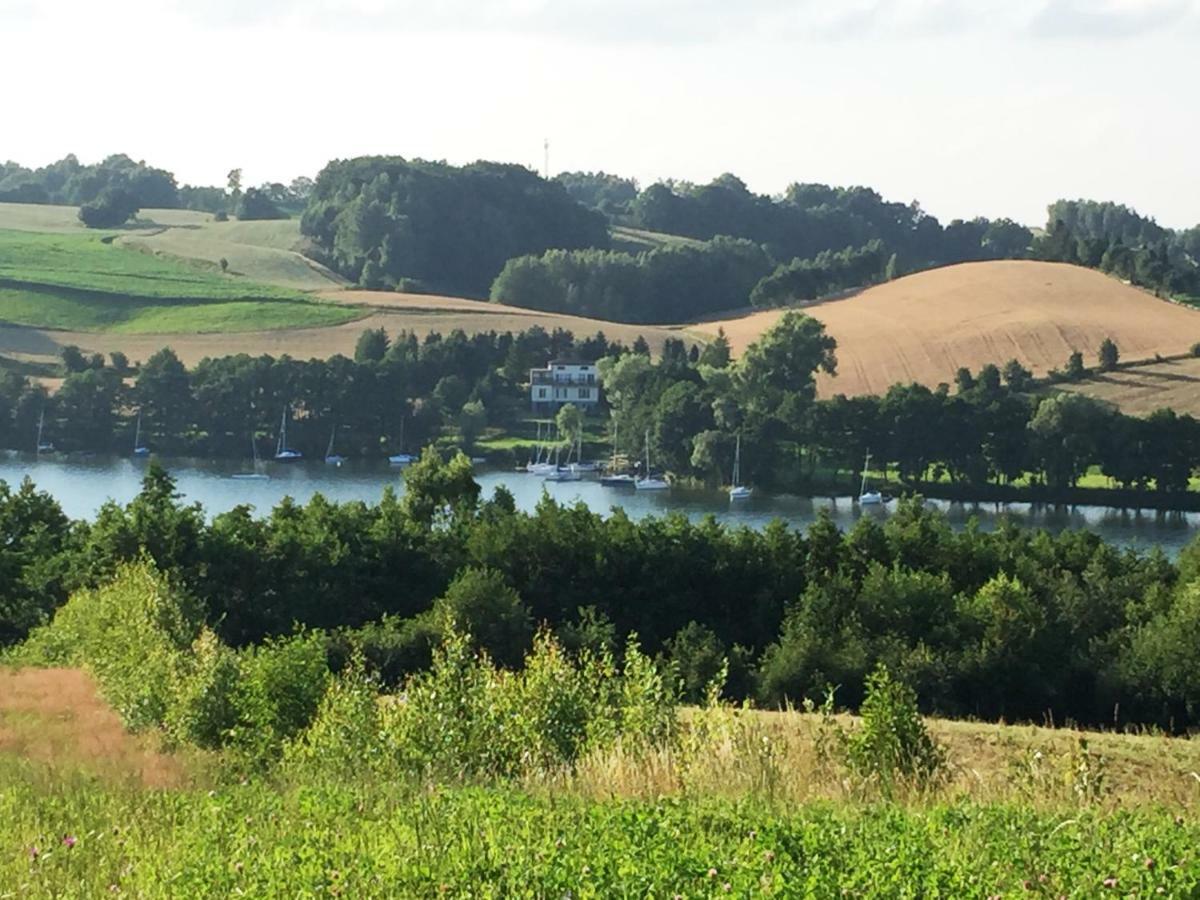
(82,485)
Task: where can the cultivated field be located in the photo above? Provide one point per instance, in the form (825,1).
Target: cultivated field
(1143,389)
(924,327)
(265,252)
(81,282)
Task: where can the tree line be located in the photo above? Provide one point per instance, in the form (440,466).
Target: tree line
(1115,239)
(398,392)
(1013,623)
(991,428)
(115,189)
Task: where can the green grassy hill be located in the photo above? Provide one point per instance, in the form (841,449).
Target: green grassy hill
(87,282)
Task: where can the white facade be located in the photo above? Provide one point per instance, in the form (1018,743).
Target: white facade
(563,382)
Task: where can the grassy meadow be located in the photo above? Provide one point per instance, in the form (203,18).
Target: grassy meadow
(741,805)
(82,282)
(258,772)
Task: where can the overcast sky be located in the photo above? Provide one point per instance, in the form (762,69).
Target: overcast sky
(973,107)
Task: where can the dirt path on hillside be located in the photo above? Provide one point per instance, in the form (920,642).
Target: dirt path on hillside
(56,716)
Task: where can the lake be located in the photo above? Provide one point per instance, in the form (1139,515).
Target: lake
(82,485)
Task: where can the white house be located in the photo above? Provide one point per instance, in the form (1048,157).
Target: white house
(564,381)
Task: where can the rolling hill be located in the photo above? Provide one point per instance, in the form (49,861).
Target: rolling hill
(924,327)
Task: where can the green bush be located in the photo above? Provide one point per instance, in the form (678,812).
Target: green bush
(131,634)
(480,603)
(203,708)
(282,684)
(892,743)
(346,735)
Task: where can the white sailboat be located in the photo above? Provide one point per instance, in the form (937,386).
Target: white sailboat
(570,470)
(867,497)
(738,491)
(611,477)
(283,453)
(543,465)
(648,482)
(257,474)
(331,458)
(138,448)
(401,458)
(42,445)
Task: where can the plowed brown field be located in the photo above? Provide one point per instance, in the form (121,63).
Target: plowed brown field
(924,327)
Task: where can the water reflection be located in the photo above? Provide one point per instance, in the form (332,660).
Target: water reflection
(83,485)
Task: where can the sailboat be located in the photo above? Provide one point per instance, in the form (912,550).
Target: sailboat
(43,446)
(611,477)
(648,482)
(569,471)
(331,458)
(543,465)
(867,497)
(401,458)
(138,449)
(738,491)
(257,474)
(283,453)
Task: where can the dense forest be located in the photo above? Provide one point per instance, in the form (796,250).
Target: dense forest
(1015,624)
(388,222)
(997,433)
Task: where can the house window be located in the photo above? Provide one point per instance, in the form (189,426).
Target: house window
(585,393)
(541,393)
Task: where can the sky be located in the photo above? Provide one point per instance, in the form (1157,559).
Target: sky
(972,107)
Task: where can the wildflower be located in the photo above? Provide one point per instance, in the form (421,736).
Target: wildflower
(1110,882)
(1149,863)
(1027,884)
(712,873)
(69,841)
(769,856)
(34,853)
(727,887)
(587,870)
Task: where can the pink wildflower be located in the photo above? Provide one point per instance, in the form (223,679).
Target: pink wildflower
(1110,882)
(69,841)
(34,852)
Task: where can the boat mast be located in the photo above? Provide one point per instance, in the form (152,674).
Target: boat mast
(866,464)
(737,461)
(137,432)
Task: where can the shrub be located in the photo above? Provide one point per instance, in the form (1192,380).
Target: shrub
(480,603)
(114,206)
(892,741)
(466,717)
(203,708)
(1109,355)
(131,634)
(347,731)
(283,681)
